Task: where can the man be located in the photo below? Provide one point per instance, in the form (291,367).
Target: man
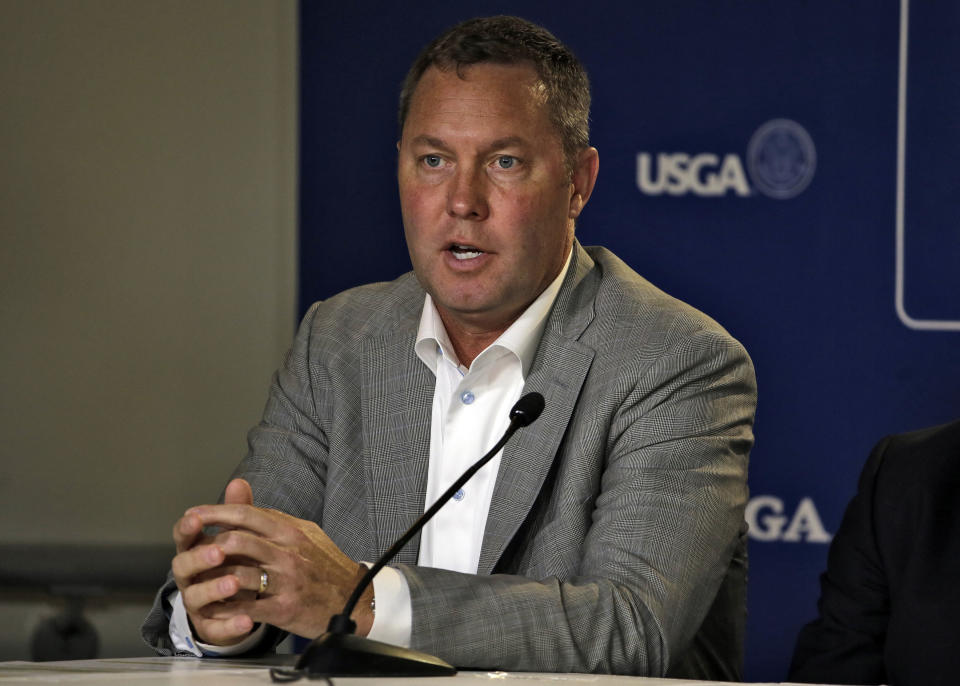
(608,536)
(890,596)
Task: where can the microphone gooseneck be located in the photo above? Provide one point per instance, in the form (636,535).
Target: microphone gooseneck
(339,651)
(522,414)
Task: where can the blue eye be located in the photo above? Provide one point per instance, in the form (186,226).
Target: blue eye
(433,161)
(506,161)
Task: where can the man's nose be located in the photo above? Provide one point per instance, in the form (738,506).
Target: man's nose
(467,195)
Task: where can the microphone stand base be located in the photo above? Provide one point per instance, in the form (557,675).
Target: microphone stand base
(336,654)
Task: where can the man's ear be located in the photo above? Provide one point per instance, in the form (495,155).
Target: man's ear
(583,179)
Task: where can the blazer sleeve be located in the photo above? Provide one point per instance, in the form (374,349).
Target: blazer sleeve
(845,644)
(286,461)
(665,522)
(155,630)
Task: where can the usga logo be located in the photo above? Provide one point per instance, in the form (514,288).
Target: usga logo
(781,159)
(767,521)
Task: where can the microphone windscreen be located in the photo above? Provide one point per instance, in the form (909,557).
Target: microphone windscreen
(527,409)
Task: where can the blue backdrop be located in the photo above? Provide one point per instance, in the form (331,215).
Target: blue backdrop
(784,166)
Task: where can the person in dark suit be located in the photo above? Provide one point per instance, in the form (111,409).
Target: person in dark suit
(890,598)
(609,536)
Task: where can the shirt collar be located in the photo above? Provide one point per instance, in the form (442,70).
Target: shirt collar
(521,338)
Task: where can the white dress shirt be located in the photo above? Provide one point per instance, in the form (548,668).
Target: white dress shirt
(470,413)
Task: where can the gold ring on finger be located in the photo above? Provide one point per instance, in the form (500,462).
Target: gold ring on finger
(264,582)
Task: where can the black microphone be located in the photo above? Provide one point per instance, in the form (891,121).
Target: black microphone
(340,652)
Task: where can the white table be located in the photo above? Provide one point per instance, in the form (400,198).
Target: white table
(181,671)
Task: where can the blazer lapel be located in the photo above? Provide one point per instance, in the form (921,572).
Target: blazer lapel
(397,396)
(558,372)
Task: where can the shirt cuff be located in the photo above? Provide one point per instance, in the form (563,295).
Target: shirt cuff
(184,640)
(393,618)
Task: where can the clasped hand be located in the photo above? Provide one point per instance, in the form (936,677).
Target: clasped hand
(218,576)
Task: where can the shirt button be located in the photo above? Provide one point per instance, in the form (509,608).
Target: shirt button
(458,496)
(467,397)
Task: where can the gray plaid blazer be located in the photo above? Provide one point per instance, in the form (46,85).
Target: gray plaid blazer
(615,540)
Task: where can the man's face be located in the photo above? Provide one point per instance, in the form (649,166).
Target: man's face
(488,204)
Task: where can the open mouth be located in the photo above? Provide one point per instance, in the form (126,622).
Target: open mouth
(465,252)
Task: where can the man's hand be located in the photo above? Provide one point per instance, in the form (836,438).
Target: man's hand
(310,579)
(205,580)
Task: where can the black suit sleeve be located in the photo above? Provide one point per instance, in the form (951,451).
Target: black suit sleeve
(845,644)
